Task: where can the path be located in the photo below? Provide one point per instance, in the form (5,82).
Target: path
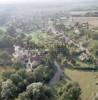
(57,75)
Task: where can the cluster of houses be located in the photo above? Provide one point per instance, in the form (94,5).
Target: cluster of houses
(30,58)
(69,23)
(84,52)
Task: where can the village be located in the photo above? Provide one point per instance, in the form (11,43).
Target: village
(49,52)
(32,57)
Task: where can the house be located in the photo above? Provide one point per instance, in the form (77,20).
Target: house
(77,31)
(84,56)
(18,54)
(32,63)
(30,58)
(85,25)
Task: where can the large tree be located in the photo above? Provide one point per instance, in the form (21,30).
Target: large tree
(8,90)
(70,91)
(36,91)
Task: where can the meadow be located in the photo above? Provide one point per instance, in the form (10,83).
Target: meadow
(86,80)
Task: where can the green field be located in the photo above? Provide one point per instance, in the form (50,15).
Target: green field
(86,81)
(39,37)
(84,65)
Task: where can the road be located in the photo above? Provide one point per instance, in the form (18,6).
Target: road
(58,74)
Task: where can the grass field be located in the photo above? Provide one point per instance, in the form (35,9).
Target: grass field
(86,81)
(84,65)
(70,34)
(39,37)
(6,69)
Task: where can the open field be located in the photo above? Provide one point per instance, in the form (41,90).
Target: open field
(84,65)
(6,69)
(86,80)
(91,20)
(39,37)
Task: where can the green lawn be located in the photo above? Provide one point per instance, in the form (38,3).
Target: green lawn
(94,44)
(84,65)
(39,37)
(70,34)
(86,81)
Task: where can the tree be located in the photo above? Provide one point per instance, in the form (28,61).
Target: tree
(43,73)
(36,91)
(70,91)
(6,42)
(61,28)
(8,90)
(5,57)
(20,80)
(11,31)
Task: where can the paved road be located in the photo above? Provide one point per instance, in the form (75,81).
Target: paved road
(57,75)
